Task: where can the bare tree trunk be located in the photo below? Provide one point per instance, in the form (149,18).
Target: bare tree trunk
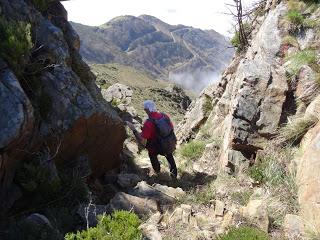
(242,33)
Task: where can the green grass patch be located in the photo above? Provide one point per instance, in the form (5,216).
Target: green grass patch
(295,17)
(115,102)
(296,61)
(192,150)
(15,44)
(244,233)
(121,225)
(267,171)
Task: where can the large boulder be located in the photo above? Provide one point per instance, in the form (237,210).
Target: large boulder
(160,193)
(256,213)
(141,206)
(308,179)
(17,126)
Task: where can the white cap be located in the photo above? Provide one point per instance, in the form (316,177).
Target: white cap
(150,105)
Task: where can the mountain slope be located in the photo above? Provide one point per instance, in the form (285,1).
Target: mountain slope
(168,98)
(162,50)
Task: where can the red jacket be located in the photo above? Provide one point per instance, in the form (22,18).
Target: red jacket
(149,132)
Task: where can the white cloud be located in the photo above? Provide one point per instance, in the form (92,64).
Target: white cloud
(204,14)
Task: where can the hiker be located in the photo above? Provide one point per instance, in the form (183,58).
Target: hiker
(157,137)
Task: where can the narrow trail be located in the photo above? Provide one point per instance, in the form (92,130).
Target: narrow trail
(171,208)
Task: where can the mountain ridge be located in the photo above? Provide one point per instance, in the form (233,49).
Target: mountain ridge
(162,50)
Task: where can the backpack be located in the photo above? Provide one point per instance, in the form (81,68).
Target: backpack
(166,139)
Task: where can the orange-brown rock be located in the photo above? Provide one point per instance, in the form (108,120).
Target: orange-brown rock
(99,138)
(308,180)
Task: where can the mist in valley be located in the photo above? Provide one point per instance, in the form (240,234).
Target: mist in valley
(195,81)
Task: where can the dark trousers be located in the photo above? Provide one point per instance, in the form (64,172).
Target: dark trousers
(156,165)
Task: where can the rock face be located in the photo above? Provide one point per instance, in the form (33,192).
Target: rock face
(183,54)
(71,118)
(256,96)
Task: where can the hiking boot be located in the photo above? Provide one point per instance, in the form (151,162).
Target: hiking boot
(173,176)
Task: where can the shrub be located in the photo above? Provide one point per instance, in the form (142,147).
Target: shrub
(44,102)
(267,171)
(15,43)
(298,60)
(41,5)
(207,106)
(295,17)
(295,129)
(115,102)
(278,182)
(192,150)
(244,233)
(67,189)
(235,40)
(121,225)
(242,197)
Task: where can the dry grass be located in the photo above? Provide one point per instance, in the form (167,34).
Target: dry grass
(291,40)
(296,5)
(277,181)
(295,129)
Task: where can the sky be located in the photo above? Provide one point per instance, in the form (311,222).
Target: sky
(203,14)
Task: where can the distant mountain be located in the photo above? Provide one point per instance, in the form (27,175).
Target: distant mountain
(182,54)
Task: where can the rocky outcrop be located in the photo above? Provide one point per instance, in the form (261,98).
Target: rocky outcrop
(66,113)
(247,104)
(257,95)
(196,115)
